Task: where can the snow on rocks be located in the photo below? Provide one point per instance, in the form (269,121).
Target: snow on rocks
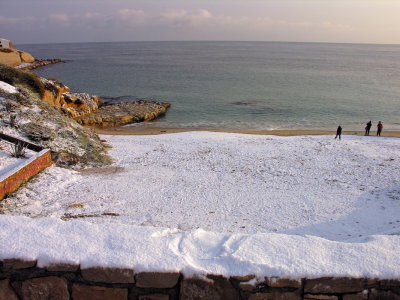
(8,88)
(24,65)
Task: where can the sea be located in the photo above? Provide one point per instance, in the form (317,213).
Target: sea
(239,85)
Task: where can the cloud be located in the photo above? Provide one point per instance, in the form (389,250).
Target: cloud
(127,14)
(336,27)
(11,21)
(180,24)
(183,17)
(62,18)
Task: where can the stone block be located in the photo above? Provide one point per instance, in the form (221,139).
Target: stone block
(283,282)
(386,283)
(246,283)
(156,280)
(319,297)
(243,278)
(371,282)
(154,297)
(335,285)
(16,264)
(62,267)
(359,296)
(84,292)
(218,288)
(246,286)
(383,295)
(6,292)
(274,296)
(108,275)
(45,288)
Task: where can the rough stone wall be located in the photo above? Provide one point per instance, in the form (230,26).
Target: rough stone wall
(16,178)
(24,280)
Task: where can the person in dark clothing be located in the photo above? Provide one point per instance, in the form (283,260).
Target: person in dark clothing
(368,128)
(380,127)
(339,133)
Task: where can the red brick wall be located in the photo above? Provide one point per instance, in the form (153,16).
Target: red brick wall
(22,175)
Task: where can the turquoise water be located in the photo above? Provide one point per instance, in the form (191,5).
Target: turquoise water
(240,85)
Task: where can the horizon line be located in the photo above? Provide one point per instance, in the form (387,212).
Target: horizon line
(213,41)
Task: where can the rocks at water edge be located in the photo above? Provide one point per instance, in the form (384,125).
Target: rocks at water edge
(117,114)
(88,110)
(71,104)
(37,63)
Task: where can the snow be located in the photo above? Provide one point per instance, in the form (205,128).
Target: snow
(8,87)
(231,204)
(5,160)
(233,183)
(195,252)
(23,65)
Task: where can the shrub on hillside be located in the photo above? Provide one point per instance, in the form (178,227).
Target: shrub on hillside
(5,50)
(14,77)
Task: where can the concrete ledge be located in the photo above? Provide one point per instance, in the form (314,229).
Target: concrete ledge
(14,178)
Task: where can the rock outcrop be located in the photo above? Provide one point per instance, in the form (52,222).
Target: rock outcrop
(39,63)
(53,90)
(117,114)
(24,114)
(88,110)
(26,57)
(71,104)
(16,58)
(10,57)
(13,57)
(79,104)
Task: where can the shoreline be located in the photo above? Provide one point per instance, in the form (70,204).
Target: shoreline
(38,63)
(286,132)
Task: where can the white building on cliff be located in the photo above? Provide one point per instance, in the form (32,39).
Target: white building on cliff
(5,43)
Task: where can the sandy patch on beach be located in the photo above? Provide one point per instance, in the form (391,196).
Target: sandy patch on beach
(129,130)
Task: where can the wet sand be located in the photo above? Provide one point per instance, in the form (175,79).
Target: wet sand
(294,132)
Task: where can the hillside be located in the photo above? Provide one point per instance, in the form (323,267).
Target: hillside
(26,111)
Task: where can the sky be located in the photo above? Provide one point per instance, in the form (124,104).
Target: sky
(335,21)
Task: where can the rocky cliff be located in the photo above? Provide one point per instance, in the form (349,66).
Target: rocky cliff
(72,104)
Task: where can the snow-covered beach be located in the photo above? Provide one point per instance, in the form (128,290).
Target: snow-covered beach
(231,183)
(233,204)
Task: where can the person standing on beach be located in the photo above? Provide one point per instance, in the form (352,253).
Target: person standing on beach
(339,133)
(368,128)
(380,127)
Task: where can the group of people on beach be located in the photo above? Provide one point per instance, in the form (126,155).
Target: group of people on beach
(368,126)
(379,128)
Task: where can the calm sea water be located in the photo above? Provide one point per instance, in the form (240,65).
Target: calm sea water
(240,85)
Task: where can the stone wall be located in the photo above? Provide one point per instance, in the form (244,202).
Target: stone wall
(24,280)
(14,178)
